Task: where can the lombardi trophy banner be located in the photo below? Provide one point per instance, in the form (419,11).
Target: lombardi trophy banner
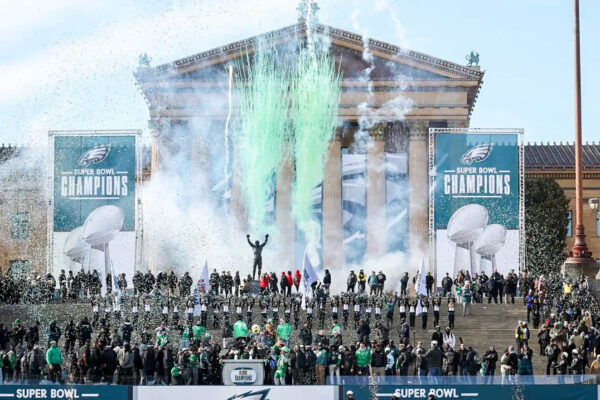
(92,213)
(475,186)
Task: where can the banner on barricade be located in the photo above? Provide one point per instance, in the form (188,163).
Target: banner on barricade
(56,392)
(474,392)
(236,392)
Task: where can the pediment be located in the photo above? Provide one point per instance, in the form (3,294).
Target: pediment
(391,63)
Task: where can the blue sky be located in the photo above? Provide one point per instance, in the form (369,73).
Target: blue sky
(68,64)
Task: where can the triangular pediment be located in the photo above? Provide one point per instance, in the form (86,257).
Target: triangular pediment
(391,62)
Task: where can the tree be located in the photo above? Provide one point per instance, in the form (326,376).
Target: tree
(546,221)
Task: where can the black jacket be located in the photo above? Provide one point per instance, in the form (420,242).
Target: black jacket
(300,360)
(149,361)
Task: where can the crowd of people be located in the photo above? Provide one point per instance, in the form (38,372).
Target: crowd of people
(159,331)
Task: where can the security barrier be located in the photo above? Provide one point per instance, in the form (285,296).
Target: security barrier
(71,392)
(328,392)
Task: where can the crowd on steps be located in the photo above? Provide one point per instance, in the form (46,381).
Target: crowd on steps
(302,338)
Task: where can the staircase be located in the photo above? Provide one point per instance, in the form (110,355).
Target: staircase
(489,324)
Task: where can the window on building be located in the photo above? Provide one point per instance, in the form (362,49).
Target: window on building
(438,124)
(570,224)
(20,225)
(598,224)
(19,268)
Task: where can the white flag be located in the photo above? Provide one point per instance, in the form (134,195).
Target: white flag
(309,276)
(203,285)
(421,288)
(115,281)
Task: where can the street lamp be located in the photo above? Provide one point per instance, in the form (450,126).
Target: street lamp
(594,204)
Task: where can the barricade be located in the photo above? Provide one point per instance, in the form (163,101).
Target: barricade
(66,392)
(569,387)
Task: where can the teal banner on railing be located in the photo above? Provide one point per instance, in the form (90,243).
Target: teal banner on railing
(473,392)
(56,392)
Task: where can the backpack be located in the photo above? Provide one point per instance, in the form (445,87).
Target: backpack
(477,359)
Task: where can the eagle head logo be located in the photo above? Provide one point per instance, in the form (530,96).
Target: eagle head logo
(94,155)
(476,154)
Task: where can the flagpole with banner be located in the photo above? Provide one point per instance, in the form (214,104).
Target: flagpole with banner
(421,288)
(203,285)
(309,276)
(115,283)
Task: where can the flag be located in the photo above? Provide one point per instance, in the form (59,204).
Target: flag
(115,281)
(309,276)
(203,285)
(421,288)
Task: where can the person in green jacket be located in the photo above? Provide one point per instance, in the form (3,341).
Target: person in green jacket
(321,364)
(240,329)
(186,332)
(363,360)
(163,339)
(282,366)
(176,376)
(54,361)
(284,330)
(194,368)
(198,333)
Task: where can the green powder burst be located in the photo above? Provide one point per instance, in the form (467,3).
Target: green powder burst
(314,94)
(264,128)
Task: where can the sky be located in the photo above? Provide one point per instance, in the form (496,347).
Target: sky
(68,64)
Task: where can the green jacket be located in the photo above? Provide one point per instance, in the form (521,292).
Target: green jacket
(363,357)
(282,363)
(194,361)
(284,331)
(175,372)
(322,357)
(337,328)
(198,332)
(185,332)
(240,329)
(162,340)
(54,356)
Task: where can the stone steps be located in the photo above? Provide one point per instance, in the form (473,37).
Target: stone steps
(489,324)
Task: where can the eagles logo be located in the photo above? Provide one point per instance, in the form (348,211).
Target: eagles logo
(94,155)
(258,395)
(476,154)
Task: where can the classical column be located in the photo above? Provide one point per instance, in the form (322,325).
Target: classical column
(157,131)
(238,206)
(333,246)
(418,183)
(376,218)
(283,214)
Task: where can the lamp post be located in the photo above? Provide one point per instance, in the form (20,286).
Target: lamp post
(594,204)
(580,259)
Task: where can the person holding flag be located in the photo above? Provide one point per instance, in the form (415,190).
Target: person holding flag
(421,286)
(309,277)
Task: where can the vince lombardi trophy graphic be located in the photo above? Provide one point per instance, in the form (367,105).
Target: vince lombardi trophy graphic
(465,226)
(100,228)
(76,248)
(488,244)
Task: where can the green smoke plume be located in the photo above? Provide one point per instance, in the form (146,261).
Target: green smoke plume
(264,128)
(314,94)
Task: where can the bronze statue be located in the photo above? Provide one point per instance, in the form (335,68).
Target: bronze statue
(473,59)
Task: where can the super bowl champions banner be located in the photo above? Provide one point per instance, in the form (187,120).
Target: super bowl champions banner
(476,201)
(93,213)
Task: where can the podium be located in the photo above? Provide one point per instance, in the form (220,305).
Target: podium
(243,372)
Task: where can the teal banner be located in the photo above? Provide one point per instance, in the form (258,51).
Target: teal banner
(474,392)
(57,392)
(474,168)
(90,172)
